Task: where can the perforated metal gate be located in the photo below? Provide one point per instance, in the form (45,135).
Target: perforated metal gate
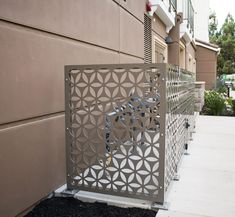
(126,127)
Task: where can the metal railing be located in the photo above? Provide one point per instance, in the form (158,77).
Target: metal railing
(126,127)
(189,15)
(173,5)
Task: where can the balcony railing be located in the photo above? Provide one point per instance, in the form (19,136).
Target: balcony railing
(126,127)
(173,5)
(189,15)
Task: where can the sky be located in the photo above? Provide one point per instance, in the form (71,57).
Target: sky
(222,8)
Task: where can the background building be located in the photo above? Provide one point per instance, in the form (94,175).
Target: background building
(202,13)
(207,53)
(207,63)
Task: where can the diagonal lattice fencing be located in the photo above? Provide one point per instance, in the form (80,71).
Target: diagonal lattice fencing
(126,127)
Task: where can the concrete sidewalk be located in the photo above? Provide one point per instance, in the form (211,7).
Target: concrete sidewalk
(232,94)
(207,176)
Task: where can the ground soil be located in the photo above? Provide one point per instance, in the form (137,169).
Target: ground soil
(70,207)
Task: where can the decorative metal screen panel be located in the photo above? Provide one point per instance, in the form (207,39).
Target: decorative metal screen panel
(179,117)
(117,117)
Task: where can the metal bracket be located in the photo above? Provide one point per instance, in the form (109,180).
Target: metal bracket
(186,149)
(187,125)
(164,206)
(69,193)
(176,177)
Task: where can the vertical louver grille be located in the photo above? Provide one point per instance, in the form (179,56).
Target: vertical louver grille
(147,40)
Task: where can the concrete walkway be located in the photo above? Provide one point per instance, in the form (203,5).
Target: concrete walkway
(207,176)
(232,94)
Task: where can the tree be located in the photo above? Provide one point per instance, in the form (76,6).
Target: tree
(225,39)
(213,25)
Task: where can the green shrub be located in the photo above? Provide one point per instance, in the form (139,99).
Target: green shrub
(222,89)
(214,103)
(229,107)
(233,106)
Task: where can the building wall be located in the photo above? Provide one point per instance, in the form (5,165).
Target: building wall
(37,38)
(158,27)
(187,56)
(190,59)
(206,66)
(159,35)
(182,55)
(158,40)
(174,47)
(201,18)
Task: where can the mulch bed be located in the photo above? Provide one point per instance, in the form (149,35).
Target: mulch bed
(70,207)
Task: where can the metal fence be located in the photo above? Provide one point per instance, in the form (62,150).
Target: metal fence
(126,127)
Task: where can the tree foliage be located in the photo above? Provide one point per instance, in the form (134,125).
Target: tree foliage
(213,25)
(225,39)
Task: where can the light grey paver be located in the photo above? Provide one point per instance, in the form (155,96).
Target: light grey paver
(207,175)
(178,214)
(232,94)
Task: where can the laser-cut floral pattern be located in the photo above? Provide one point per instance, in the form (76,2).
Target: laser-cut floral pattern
(116,117)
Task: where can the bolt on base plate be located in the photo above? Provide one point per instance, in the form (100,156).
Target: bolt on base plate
(164,206)
(69,193)
(176,177)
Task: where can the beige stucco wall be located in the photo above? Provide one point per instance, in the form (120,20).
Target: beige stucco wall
(158,39)
(206,66)
(190,57)
(158,27)
(32,162)
(159,31)
(187,56)
(37,38)
(174,47)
